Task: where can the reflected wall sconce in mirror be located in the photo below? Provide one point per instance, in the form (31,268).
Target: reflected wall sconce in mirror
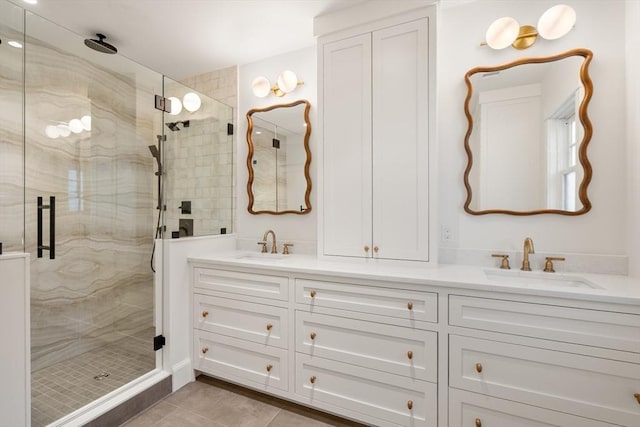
(190,101)
(287,82)
(556,22)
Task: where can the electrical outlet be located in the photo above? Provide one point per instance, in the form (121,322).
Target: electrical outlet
(446,233)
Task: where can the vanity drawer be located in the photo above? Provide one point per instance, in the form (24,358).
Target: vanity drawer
(232,282)
(403,351)
(392,398)
(252,364)
(472,409)
(582,326)
(262,324)
(588,386)
(410,305)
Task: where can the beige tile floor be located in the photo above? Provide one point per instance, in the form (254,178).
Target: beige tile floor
(212,403)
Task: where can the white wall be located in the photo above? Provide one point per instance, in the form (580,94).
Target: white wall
(299,229)
(633,134)
(603,230)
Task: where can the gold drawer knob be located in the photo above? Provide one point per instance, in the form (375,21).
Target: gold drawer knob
(366,249)
(204,350)
(313,379)
(269,367)
(410,306)
(478,422)
(205,313)
(376,249)
(313,294)
(410,404)
(478,367)
(312,335)
(637,396)
(410,354)
(269,326)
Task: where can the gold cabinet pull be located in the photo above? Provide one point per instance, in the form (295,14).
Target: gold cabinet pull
(478,367)
(478,422)
(410,354)
(269,367)
(312,335)
(410,404)
(312,379)
(366,249)
(205,313)
(313,294)
(410,306)
(637,396)
(269,326)
(204,350)
(376,249)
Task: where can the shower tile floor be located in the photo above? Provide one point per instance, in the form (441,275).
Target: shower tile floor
(69,385)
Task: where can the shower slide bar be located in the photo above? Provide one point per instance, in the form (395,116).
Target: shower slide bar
(52,227)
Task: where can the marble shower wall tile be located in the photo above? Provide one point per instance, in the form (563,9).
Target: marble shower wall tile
(99,288)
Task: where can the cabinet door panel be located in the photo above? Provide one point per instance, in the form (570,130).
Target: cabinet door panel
(409,352)
(466,408)
(347,146)
(252,364)
(578,384)
(598,328)
(367,391)
(259,323)
(401,142)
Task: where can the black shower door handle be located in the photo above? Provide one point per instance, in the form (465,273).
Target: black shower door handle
(52,227)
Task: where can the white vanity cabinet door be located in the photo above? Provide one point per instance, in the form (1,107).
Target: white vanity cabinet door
(238,284)
(582,385)
(259,323)
(411,306)
(401,142)
(252,364)
(402,351)
(393,398)
(346,106)
(477,410)
(565,324)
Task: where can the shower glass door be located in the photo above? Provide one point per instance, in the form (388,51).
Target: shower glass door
(90,120)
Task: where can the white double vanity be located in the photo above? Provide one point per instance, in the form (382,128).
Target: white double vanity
(444,346)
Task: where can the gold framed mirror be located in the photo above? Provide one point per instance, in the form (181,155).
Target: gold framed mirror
(527,136)
(278,159)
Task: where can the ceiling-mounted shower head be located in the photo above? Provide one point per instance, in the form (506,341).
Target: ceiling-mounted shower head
(173,126)
(100,45)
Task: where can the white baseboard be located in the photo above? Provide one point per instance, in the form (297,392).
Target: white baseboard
(182,374)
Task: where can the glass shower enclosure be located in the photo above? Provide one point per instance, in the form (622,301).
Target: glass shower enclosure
(90,173)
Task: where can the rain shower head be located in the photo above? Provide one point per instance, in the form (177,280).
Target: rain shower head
(174,125)
(100,45)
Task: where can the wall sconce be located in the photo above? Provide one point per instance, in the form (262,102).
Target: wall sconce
(553,24)
(287,82)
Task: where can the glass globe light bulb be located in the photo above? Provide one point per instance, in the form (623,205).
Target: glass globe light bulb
(75,125)
(191,102)
(287,81)
(261,86)
(556,22)
(176,106)
(502,32)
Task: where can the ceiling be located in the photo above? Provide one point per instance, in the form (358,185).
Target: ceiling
(182,38)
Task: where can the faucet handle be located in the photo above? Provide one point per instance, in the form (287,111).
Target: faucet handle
(264,247)
(548,263)
(504,264)
(285,248)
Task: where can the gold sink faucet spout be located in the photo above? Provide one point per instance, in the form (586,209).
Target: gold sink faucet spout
(528,249)
(274,247)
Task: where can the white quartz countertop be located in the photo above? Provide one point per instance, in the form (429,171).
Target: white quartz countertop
(592,287)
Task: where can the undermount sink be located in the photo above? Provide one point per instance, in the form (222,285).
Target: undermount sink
(527,278)
(259,257)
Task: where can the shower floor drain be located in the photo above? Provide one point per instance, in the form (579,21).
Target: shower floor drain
(101,376)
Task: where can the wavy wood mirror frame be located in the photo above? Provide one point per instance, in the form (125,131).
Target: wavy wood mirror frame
(582,115)
(307,177)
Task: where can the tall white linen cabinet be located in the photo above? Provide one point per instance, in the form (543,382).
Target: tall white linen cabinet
(375,91)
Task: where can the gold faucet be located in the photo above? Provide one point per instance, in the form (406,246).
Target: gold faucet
(528,249)
(274,247)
